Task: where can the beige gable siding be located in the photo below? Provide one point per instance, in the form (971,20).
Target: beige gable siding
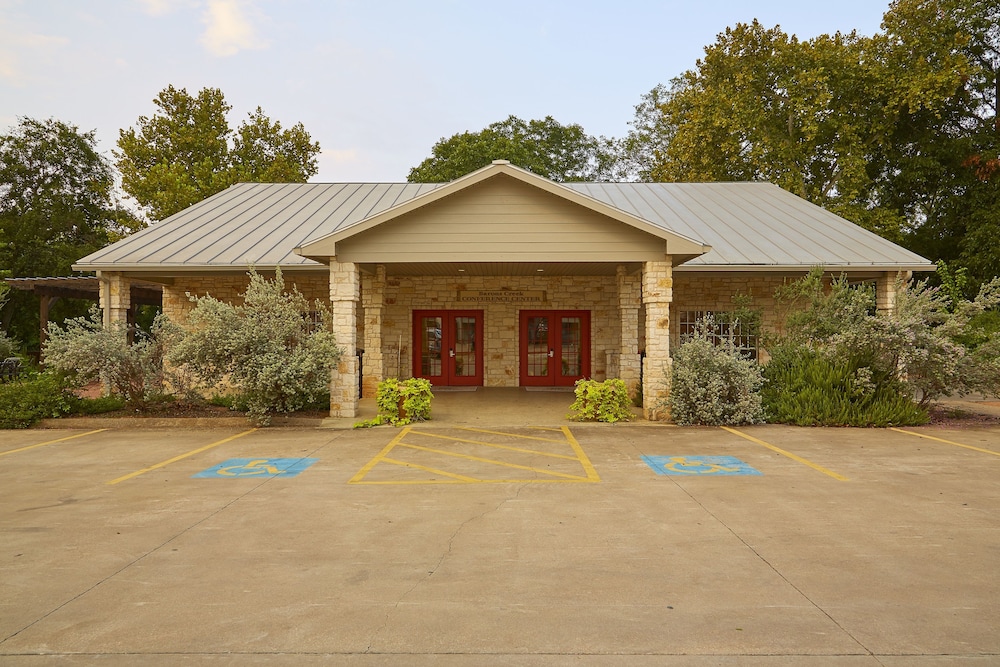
(501,220)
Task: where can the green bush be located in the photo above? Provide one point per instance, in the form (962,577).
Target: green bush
(95,406)
(270,351)
(8,346)
(710,383)
(88,351)
(24,402)
(401,402)
(606,401)
(806,388)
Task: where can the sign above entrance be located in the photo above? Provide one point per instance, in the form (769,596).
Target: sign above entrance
(501,296)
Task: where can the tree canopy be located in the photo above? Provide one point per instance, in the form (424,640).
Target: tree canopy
(544,147)
(897,132)
(57,204)
(187,151)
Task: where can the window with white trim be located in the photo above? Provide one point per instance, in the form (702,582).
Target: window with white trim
(726,328)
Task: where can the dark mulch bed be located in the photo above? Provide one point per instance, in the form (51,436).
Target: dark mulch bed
(950,417)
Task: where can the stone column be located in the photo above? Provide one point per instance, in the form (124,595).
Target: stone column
(115,296)
(373,299)
(885,289)
(629,300)
(657,293)
(344,293)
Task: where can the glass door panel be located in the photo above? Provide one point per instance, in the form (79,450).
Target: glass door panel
(571,347)
(448,346)
(554,347)
(464,349)
(430,347)
(538,346)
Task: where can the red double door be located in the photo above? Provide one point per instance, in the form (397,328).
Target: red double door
(555,347)
(448,346)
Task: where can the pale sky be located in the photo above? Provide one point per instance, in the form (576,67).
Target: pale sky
(376,82)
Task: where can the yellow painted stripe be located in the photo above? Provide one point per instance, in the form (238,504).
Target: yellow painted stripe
(491,461)
(385,451)
(50,442)
(434,471)
(182,456)
(496,446)
(391,482)
(949,442)
(584,461)
(512,435)
(794,457)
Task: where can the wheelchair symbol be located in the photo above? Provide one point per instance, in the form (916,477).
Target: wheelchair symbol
(252,468)
(260,468)
(681,465)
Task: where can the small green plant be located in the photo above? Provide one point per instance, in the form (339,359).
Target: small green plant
(401,402)
(606,401)
(24,402)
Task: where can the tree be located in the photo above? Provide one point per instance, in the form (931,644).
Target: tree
(187,151)
(543,147)
(897,132)
(57,204)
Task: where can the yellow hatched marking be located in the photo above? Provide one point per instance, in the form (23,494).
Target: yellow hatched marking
(948,442)
(182,456)
(512,435)
(794,457)
(592,475)
(551,477)
(497,446)
(381,455)
(492,461)
(50,442)
(417,466)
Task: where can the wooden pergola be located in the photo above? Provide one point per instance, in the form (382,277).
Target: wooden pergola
(51,289)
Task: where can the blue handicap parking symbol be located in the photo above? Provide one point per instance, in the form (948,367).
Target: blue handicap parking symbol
(257,468)
(699,465)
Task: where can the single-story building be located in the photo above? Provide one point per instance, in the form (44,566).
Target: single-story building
(501,277)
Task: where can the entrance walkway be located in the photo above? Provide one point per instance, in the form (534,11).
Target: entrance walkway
(486,406)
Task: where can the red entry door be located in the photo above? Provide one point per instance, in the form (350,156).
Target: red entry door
(555,347)
(448,346)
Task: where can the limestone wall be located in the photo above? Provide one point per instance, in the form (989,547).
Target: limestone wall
(598,294)
(228,287)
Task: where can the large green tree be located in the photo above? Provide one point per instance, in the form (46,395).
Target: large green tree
(896,131)
(57,204)
(544,147)
(187,151)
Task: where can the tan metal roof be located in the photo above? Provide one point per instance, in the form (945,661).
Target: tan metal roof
(749,226)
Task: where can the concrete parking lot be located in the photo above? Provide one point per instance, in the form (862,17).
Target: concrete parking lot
(443,544)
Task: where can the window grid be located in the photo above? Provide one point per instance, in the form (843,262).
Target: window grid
(744,342)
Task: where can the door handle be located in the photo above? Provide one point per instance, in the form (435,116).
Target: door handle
(552,353)
(451,353)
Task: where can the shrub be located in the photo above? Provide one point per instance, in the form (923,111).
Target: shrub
(929,343)
(87,351)
(269,350)
(710,383)
(8,346)
(606,401)
(401,402)
(807,388)
(24,402)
